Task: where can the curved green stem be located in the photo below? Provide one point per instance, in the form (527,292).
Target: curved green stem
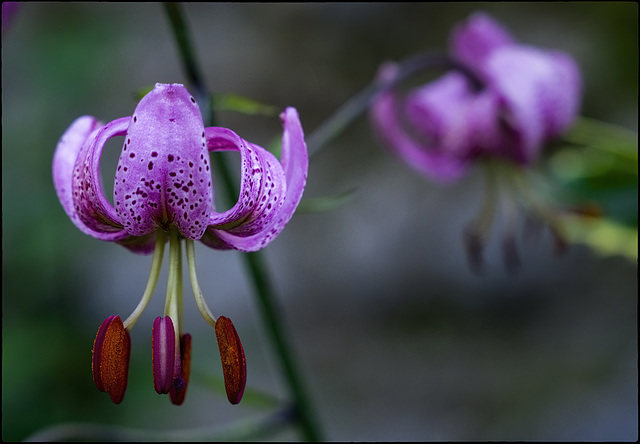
(188,57)
(347,113)
(271,317)
(256,268)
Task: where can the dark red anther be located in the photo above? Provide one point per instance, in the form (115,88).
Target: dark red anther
(163,354)
(110,358)
(234,366)
(177,395)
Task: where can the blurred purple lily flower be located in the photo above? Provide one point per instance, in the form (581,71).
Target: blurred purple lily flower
(526,97)
(505,101)
(9,10)
(163,190)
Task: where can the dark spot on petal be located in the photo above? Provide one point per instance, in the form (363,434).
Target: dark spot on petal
(150,167)
(170,157)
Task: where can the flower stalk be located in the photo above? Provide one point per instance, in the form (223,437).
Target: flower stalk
(255,265)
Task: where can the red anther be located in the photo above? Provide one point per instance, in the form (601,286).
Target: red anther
(177,396)
(163,352)
(110,358)
(234,365)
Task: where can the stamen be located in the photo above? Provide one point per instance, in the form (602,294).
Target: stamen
(543,212)
(162,353)
(156,265)
(177,396)
(477,232)
(172,279)
(173,303)
(110,358)
(197,293)
(234,364)
(509,250)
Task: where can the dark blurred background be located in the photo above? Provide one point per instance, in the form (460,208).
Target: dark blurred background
(397,338)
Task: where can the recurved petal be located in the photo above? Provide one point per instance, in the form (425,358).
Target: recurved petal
(427,155)
(90,203)
(77,181)
(72,149)
(473,40)
(270,191)
(295,163)
(65,157)
(562,103)
(262,183)
(540,91)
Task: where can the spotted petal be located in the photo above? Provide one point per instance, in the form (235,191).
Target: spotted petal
(270,191)
(76,177)
(163,176)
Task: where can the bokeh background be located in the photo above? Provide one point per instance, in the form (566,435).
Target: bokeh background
(396,337)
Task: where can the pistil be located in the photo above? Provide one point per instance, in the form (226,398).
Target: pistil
(173,303)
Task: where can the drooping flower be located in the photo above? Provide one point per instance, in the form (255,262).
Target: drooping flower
(525,97)
(9,10)
(501,100)
(163,190)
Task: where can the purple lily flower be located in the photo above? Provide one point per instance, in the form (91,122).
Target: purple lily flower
(504,101)
(163,190)
(528,97)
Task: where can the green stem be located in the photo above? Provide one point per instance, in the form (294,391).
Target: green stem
(255,265)
(188,57)
(271,317)
(354,107)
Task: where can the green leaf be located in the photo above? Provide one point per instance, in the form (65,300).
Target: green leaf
(618,141)
(141,92)
(243,105)
(604,236)
(599,164)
